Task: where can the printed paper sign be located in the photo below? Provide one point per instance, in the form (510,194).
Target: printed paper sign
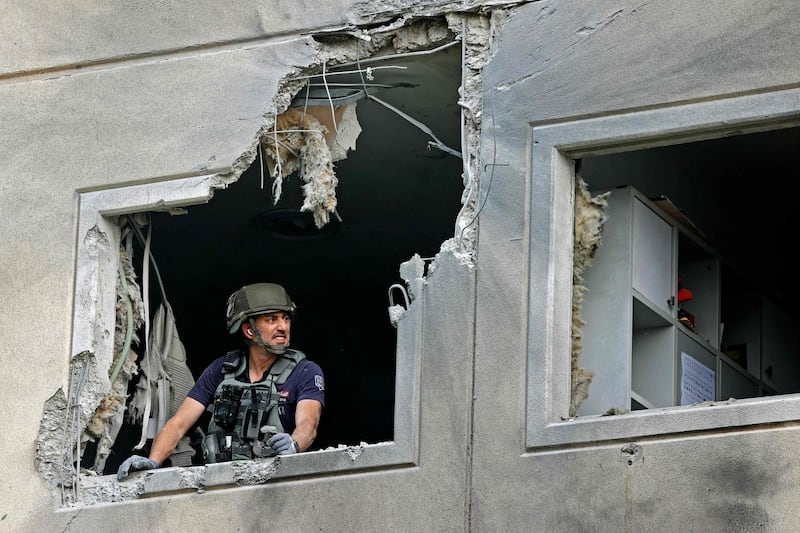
(698,382)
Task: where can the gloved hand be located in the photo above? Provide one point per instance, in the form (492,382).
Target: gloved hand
(133,463)
(283,444)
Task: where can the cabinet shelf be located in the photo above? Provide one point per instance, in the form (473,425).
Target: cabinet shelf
(643,403)
(641,329)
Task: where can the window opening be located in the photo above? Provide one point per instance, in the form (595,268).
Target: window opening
(395,197)
(634,303)
(704,237)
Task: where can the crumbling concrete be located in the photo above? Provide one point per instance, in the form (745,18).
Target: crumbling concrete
(51,442)
(59,443)
(294,141)
(475,31)
(353,452)
(254,472)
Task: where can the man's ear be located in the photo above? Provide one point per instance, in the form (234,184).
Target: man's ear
(247,330)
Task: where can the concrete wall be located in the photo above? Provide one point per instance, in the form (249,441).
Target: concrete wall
(554,62)
(97,95)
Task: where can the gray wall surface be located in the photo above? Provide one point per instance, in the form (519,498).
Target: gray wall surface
(99,95)
(558,61)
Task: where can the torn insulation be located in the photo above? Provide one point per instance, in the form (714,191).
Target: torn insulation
(309,142)
(109,416)
(590,216)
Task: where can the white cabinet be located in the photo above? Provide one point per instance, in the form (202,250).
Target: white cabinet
(647,345)
(652,243)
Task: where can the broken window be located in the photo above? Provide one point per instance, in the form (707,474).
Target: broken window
(680,305)
(361,172)
(392,197)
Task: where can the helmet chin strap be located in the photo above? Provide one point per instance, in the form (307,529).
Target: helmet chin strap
(277,349)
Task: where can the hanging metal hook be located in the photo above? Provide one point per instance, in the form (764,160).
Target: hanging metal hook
(402,290)
(396,311)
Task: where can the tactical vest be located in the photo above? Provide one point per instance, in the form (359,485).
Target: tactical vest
(240,410)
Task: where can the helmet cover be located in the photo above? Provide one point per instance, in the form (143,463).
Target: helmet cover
(256,299)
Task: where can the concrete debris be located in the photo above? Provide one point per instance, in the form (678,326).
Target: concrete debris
(61,437)
(475,32)
(370,12)
(590,216)
(421,34)
(193,478)
(396,312)
(450,247)
(254,472)
(413,273)
(354,452)
(109,416)
(95,242)
(107,489)
(52,458)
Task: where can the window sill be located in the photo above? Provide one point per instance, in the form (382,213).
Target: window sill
(106,489)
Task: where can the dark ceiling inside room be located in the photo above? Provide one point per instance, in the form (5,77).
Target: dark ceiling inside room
(396,197)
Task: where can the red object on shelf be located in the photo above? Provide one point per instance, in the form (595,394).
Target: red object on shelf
(684,295)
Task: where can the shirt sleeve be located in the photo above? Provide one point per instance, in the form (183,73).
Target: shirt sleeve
(311,382)
(206,385)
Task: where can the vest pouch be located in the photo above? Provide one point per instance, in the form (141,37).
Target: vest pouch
(254,412)
(251,424)
(226,407)
(210,448)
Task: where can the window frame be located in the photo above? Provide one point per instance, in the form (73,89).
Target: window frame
(97,263)
(553,148)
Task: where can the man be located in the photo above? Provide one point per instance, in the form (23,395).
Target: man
(265,399)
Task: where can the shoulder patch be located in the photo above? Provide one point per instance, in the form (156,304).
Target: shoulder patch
(319,382)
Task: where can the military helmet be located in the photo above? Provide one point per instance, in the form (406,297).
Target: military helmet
(256,299)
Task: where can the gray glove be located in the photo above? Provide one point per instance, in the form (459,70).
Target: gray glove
(133,463)
(283,444)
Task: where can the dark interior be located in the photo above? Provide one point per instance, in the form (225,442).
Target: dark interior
(396,197)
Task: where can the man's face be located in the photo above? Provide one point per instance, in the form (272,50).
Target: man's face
(274,328)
